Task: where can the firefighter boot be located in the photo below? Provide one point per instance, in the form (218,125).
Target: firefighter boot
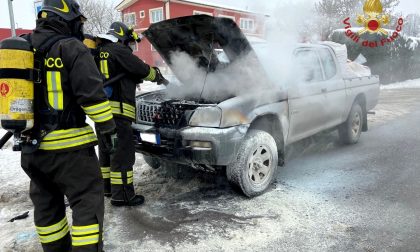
(135,201)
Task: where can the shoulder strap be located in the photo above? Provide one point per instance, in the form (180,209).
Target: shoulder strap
(48,43)
(40,54)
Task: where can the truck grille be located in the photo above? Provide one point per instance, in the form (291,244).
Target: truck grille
(166,114)
(147,113)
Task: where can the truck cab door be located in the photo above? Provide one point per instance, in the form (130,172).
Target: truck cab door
(334,88)
(308,110)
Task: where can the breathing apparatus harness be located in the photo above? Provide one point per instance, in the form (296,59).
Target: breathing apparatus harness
(42,111)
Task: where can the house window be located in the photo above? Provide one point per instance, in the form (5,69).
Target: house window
(156,15)
(142,14)
(130,19)
(226,16)
(247,24)
(196,12)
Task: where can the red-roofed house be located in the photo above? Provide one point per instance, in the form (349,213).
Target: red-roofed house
(7,33)
(141,13)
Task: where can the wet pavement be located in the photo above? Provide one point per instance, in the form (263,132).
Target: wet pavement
(329,197)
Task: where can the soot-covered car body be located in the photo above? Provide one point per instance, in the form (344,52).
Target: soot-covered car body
(227,113)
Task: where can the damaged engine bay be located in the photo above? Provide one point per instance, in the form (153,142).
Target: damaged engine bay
(158,110)
(212,61)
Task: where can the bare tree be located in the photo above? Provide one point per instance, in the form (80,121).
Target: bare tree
(100,15)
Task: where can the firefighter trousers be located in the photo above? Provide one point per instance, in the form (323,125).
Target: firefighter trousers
(76,175)
(117,168)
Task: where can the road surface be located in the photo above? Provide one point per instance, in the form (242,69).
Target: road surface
(328,197)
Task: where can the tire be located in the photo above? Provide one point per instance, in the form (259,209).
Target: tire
(350,131)
(153,162)
(255,165)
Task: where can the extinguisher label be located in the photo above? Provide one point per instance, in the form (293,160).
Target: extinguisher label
(21,106)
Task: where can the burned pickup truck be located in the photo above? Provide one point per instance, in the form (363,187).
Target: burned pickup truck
(226,113)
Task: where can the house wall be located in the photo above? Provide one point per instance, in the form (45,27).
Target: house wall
(145,51)
(7,33)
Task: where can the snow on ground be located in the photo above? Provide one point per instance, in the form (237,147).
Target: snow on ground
(405,84)
(175,209)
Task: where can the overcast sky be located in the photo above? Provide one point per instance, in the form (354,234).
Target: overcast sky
(25,12)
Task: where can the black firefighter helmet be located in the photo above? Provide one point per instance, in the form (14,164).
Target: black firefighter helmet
(67,9)
(123,33)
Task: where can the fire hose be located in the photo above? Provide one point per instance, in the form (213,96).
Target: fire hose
(5,138)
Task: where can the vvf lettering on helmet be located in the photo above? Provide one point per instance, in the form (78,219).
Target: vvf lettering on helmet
(54,62)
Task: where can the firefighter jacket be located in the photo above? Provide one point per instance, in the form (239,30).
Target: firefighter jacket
(71,88)
(114,59)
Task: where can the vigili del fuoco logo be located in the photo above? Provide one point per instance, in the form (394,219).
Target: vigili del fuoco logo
(373,21)
(4,89)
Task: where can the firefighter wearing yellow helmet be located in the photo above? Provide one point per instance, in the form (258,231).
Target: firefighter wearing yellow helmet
(117,59)
(58,154)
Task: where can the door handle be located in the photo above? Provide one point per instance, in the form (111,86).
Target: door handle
(324,90)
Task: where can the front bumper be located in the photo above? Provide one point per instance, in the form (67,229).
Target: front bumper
(175,144)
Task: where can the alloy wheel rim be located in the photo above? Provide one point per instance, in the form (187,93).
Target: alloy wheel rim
(356,124)
(259,165)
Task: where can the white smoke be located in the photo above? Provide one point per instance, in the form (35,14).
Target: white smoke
(236,78)
(288,24)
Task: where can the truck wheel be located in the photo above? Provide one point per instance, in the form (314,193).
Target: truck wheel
(351,129)
(255,165)
(152,161)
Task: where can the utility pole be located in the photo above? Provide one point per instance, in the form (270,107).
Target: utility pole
(12,18)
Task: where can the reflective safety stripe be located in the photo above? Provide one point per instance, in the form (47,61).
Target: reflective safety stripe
(104,68)
(54,232)
(116,178)
(106,172)
(98,108)
(85,230)
(100,112)
(54,237)
(119,174)
(102,117)
(127,109)
(62,139)
(68,133)
(85,240)
(85,235)
(55,91)
(53,228)
(120,181)
(64,144)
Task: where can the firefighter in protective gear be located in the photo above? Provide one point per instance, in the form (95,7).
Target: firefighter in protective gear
(64,162)
(116,57)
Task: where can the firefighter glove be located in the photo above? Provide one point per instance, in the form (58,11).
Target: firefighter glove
(110,142)
(156,76)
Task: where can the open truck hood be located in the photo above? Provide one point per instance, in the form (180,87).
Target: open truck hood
(212,44)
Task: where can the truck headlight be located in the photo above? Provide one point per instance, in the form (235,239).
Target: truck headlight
(206,117)
(233,118)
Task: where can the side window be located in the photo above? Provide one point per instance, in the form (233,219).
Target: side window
(308,65)
(328,63)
